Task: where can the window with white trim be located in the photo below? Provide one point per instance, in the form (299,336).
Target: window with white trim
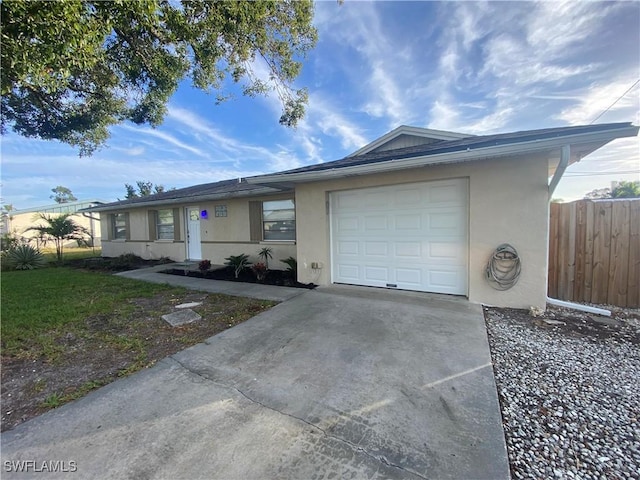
(279,220)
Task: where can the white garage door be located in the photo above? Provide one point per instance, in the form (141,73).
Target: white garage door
(411,237)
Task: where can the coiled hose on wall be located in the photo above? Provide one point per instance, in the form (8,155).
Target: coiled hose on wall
(503,268)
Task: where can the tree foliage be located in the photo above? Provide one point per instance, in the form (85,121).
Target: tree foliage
(62,195)
(73,68)
(621,189)
(144,189)
(626,190)
(58,228)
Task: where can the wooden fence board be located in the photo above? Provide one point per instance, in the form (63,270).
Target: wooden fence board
(580,262)
(594,252)
(618,259)
(633,296)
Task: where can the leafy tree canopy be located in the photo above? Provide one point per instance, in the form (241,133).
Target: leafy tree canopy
(72,68)
(621,189)
(144,189)
(62,195)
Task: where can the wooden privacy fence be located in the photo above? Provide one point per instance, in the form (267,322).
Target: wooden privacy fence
(594,252)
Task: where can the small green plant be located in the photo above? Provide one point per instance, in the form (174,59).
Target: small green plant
(52,401)
(204,265)
(265,254)
(238,262)
(292,266)
(25,257)
(260,269)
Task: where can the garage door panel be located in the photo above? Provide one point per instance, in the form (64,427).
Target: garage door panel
(376,222)
(376,249)
(409,277)
(406,250)
(347,224)
(349,273)
(376,274)
(408,197)
(346,248)
(410,221)
(444,251)
(448,220)
(413,236)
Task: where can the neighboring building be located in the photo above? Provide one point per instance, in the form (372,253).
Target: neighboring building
(416,209)
(18,222)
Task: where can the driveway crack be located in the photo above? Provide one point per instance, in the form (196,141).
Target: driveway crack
(380,459)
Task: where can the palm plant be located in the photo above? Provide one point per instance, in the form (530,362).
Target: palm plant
(238,262)
(265,254)
(24,257)
(59,229)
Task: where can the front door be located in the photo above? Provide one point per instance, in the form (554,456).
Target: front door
(194,248)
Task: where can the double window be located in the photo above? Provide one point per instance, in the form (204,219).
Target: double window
(278,220)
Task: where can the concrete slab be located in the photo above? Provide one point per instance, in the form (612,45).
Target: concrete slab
(338,382)
(237,289)
(181,317)
(188,305)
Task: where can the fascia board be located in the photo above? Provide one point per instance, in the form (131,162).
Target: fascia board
(183,200)
(452,157)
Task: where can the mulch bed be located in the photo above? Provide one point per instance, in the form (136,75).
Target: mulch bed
(274,277)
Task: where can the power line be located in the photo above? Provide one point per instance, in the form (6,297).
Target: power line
(619,98)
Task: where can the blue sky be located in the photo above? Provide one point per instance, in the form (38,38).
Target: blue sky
(471,67)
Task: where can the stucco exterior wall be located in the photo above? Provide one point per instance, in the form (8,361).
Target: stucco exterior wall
(508,203)
(220,236)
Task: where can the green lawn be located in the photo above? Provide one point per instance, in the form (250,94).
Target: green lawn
(35,302)
(70,253)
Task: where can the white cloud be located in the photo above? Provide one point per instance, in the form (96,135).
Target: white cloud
(596,98)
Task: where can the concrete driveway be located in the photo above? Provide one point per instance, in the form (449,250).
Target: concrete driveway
(340,382)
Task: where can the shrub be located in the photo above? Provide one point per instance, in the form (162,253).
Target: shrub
(8,241)
(238,262)
(204,265)
(25,257)
(265,254)
(260,269)
(126,261)
(292,266)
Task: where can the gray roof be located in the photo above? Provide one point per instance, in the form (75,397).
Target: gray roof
(450,146)
(206,191)
(253,186)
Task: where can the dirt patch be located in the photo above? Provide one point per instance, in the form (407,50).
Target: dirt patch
(624,323)
(108,346)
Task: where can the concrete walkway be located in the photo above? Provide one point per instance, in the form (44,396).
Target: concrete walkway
(338,382)
(236,289)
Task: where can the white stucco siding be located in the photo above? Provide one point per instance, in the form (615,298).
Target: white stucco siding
(507,204)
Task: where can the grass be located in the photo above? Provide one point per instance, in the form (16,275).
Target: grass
(70,253)
(66,332)
(36,303)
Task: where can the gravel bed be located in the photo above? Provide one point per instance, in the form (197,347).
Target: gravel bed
(569,387)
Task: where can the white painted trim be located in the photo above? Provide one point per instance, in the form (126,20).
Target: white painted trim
(413,131)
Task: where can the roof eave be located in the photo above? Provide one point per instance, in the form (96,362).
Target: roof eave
(451,157)
(184,200)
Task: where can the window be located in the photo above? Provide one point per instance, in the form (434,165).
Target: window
(164,224)
(221,210)
(278,220)
(120,226)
